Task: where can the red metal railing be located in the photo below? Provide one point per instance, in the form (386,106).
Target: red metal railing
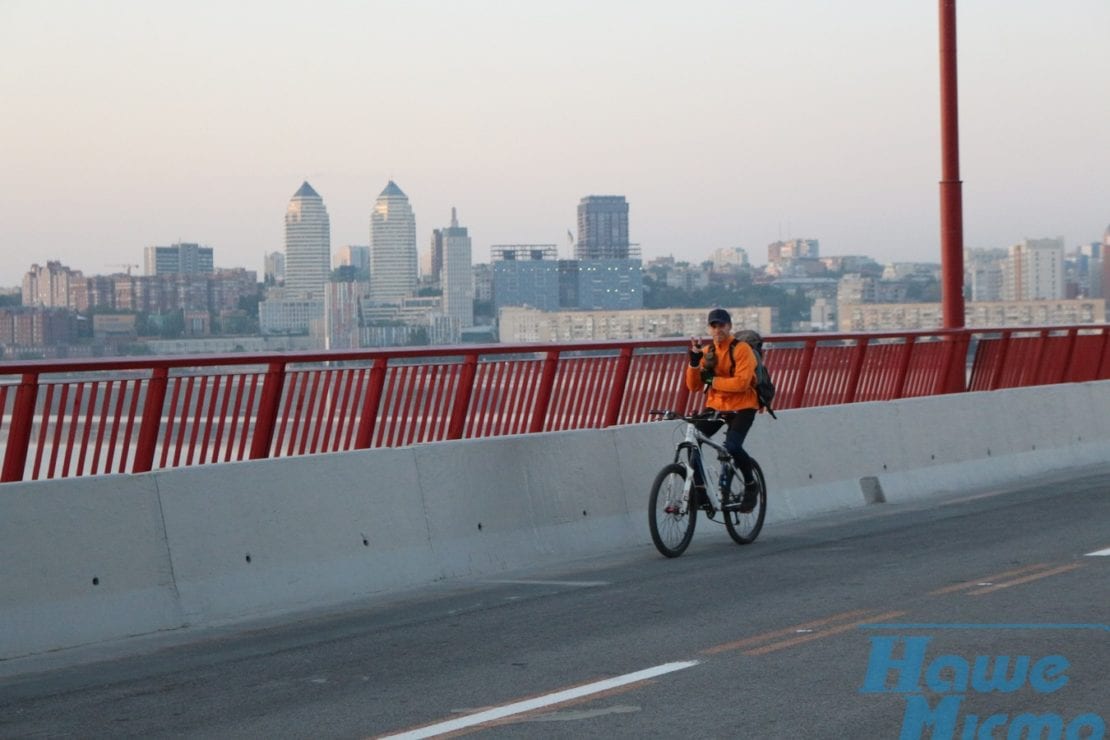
(131,415)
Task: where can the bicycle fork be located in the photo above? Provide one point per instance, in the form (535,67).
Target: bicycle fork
(695,470)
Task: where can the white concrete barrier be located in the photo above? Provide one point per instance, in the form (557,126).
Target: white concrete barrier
(82,561)
(215,543)
(270,536)
(501,503)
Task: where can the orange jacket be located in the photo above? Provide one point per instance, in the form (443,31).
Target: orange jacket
(731,391)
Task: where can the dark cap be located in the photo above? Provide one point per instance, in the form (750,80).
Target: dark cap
(719,316)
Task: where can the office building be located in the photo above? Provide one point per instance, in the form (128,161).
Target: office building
(273,268)
(457,276)
(793,249)
(1035,270)
(602,228)
(522,324)
(356,256)
(434,260)
(988,314)
(307,244)
(49,285)
(483,283)
(285,313)
(729,258)
(609,284)
(177,259)
(392,247)
(525,275)
(341,313)
(984,273)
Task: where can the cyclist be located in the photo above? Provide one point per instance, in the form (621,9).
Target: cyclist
(725,369)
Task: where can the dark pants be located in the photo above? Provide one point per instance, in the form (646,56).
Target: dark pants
(739,422)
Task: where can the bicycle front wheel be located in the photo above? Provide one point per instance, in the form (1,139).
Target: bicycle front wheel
(744,528)
(671,529)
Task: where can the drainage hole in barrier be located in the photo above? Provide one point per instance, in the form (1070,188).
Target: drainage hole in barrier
(988,452)
(884,466)
(96,581)
(479,526)
(365,542)
(248,557)
(584,513)
(932,457)
(811,476)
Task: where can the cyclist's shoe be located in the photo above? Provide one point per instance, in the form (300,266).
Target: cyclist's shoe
(751,497)
(701,500)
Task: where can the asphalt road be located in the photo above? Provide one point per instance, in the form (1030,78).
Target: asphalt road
(971,610)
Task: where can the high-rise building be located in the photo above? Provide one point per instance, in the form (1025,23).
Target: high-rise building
(434,259)
(610,284)
(729,258)
(392,247)
(307,243)
(273,268)
(177,259)
(457,276)
(341,313)
(794,249)
(49,286)
(1035,270)
(355,256)
(525,275)
(602,228)
(985,274)
(1105,258)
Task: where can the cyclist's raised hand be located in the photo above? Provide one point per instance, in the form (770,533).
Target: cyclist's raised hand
(695,352)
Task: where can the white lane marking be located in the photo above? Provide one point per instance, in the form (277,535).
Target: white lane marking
(1097,553)
(579,584)
(581,714)
(542,701)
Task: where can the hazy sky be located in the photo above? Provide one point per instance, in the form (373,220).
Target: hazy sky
(731,123)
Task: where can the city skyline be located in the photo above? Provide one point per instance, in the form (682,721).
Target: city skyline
(132,125)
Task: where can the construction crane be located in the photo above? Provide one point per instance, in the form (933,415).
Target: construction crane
(127,266)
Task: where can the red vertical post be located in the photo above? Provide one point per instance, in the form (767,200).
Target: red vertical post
(1073,341)
(152,419)
(951,193)
(543,394)
(951,196)
(953,364)
(19,434)
(682,394)
(1103,371)
(855,370)
(620,382)
(462,397)
(904,367)
(370,404)
(803,373)
(1038,366)
(958,366)
(272,388)
(1000,361)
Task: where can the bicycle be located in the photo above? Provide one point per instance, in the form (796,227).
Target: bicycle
(686,485)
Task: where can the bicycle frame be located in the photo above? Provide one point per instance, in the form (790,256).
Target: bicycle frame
(692,443)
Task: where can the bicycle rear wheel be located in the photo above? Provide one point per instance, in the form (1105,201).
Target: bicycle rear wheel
(744,528)
(671,531)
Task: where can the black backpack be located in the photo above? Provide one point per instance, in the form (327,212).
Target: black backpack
(764,386)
